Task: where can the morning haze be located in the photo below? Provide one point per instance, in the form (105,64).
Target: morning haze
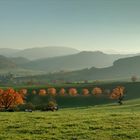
(105,25)
(69,70)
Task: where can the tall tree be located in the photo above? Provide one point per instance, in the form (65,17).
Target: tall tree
(10,98)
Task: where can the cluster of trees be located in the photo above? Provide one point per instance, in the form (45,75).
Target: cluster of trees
(70,92)
(10,98)
(116,93)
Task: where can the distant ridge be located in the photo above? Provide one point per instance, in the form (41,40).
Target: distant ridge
(81,60)
(122,68)
(8,51)
(45,52)
(6,63)
(12,62)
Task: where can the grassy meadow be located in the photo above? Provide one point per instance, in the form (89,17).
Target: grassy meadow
(79,118)
(103,122)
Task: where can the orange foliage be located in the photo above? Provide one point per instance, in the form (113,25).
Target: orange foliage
(1,91)
(73,92)
(97,91)
(23,92)
(117,92)
(52,91)
(42,92)
(85,92)
(62,92)
(10,98)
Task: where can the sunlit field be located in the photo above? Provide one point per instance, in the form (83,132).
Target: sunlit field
(69,70)
(104,122)
(78,118)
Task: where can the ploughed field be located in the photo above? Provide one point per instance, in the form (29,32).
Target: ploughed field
(102,122)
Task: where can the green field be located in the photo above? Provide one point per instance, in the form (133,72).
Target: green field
(79,118)
(103,122)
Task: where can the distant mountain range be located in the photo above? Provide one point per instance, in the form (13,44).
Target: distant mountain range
(8,52)
(38,53)
(12,62)
(45,52)
(69,63)
(6,63)
(13,65)
(86,59)
(19,60)
(122,68)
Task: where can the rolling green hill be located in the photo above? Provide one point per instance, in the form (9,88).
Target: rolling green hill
(104,122)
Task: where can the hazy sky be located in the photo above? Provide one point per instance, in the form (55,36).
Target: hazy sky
(110,25)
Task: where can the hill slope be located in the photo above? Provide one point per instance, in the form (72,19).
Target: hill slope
(13,65)
(8,51)
(6,63)
(74,62)
(99,123)
(12,62)
(19,60)
(122,68)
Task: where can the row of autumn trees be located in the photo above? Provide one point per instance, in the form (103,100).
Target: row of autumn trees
(114,94)
(71,92)
(10,98)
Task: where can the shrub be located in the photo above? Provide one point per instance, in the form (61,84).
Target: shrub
(73,92)
(85,92)
(62,92)
(52,91)
(97,91)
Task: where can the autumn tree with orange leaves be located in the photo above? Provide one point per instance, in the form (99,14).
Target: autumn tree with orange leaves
(97,91)
(62,92)
(42,92)
(73,92)
(85,92)
(10,98)
(52,91)
(118,93)
(23,92)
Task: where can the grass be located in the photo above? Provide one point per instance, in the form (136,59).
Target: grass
(87,120)
(102,122)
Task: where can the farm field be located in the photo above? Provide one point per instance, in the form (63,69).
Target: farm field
(102,122)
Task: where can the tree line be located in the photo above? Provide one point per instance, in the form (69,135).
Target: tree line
(10,98)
